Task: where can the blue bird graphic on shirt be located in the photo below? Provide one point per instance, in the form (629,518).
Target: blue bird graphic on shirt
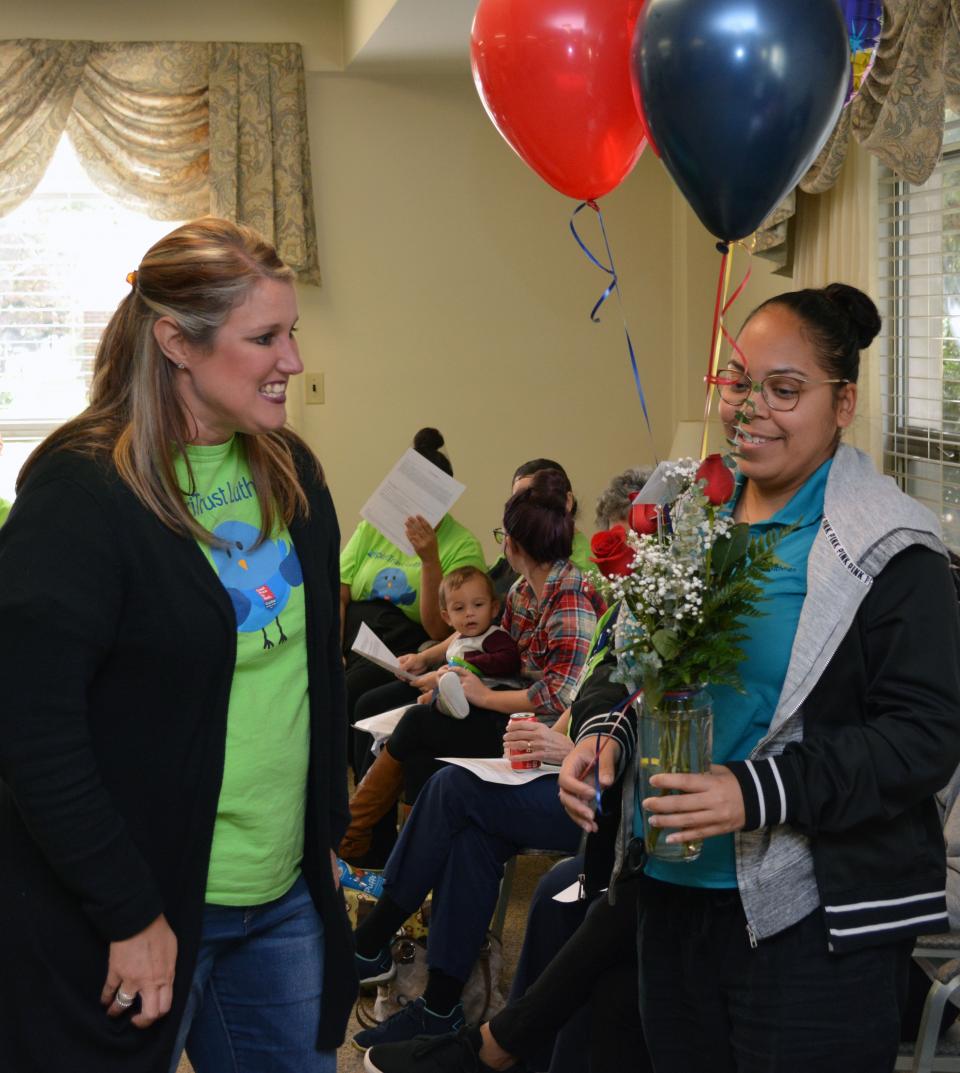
(392,585)
(258,580)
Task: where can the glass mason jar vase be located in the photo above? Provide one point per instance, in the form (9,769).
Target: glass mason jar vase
(675,737)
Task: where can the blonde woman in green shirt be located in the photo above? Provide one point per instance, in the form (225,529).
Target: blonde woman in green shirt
(173,734)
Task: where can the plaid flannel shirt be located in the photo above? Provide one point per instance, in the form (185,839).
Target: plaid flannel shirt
(553,634)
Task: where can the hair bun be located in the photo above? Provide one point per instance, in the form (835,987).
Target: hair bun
(427,439)
(859,308)
(428,442)
(550,489)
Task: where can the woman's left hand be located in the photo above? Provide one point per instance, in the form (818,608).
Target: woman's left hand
(144,965)
(537,741)
(708,805)
(421,535)
(473,689)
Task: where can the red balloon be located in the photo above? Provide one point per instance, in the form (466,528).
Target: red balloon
(554,77)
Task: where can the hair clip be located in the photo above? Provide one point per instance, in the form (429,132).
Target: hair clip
(132,278)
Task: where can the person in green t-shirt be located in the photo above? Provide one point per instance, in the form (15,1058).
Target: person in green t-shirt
(396,594)
(173,728)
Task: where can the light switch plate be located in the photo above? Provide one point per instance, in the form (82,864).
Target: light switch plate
(313,388)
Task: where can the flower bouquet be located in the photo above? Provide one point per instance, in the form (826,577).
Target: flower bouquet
(686,576)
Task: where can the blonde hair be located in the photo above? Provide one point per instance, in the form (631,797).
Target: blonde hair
(196,275)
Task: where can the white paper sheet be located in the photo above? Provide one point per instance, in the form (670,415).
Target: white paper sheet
(369,645)
(497,769)
(661,487)
(413,486)
(380,726)
(569,894)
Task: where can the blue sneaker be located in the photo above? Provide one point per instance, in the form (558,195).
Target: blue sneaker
(375,970)
(413,1020)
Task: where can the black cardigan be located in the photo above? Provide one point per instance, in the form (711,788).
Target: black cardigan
(118,644)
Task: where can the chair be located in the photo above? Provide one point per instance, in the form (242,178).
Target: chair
(503,901)
(939,957)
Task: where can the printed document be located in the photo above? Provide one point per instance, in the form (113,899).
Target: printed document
(413,486)
(369,645)
(381,726)
(497,769)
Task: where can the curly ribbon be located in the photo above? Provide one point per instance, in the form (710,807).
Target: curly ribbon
(613,286)
(719,333)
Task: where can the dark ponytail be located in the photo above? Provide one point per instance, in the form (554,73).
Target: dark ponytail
(428,442)
(535,465)
(537,519)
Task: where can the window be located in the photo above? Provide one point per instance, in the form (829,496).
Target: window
(920,292)
(64,256)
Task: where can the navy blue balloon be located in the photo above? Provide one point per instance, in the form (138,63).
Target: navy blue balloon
(739,96)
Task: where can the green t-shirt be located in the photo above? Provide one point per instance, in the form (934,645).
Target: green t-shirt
(375,569)
(258,836)
(5,506)
(580,556)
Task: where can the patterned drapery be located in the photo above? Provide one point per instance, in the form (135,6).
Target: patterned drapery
(171,129)
(898,113)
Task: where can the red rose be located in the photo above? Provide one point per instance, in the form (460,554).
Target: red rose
(611,552)
(643,518)
(718,480)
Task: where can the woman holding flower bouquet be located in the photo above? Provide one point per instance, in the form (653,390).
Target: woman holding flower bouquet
(785,945)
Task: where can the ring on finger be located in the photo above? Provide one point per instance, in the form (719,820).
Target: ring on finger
(123,1000)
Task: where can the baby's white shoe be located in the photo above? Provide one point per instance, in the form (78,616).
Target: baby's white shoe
(451,700)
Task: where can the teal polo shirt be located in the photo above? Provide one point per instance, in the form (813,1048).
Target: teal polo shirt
(740,720)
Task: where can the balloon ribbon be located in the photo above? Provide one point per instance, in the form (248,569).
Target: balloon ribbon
(604,740)
(613,286)
(719,333)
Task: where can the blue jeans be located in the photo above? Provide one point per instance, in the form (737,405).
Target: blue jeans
(461,832)
(254,1002)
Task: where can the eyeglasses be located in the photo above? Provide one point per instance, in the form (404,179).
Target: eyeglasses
(779,392)
(498,535)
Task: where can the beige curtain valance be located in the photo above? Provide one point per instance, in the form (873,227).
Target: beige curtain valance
(898,114)
(174,130)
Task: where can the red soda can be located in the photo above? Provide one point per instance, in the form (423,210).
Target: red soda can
(517,756)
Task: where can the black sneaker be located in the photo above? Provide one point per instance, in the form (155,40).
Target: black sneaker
(414,1019)
(376,970)
(459,1053)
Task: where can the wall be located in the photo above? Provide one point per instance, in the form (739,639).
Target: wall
(316,24)
(455,295)
(360,21)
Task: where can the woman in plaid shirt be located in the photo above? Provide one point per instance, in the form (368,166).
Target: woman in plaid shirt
(551,613)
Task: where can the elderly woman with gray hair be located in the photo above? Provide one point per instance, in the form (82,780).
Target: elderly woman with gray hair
(614,502)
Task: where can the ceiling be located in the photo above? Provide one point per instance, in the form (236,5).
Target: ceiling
(432,33)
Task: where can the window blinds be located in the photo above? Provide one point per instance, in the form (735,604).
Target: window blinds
(919,291)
